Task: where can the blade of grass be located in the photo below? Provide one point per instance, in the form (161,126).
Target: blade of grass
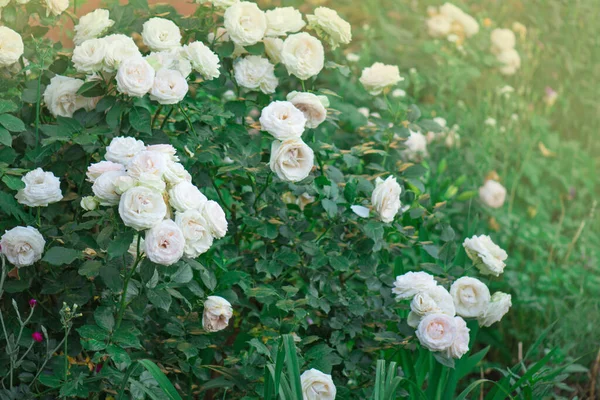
(161,378)
(293,368)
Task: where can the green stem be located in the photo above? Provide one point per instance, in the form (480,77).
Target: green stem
(156,114)
(39,217)
(187,118)
(9,349)
(267,183)
(126,285)
(66,356)
(166,118)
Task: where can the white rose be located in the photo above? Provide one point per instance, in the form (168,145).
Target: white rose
(92,25)
(330,27)
(492,194)
(215,217)
(219,36)
(379,76)
(176,173)
(135,77)
(88,57)
(471,296)
(245,23)
(303,55)
(203,60)
(502,39)
(282,120)
(435,300)
(97,169)
(41,188)
(61,96)
(151,181)
(161,34)
(460,346)
(416,146)
(487,256)
(89,203)
(170,87)
(186,196)
(273,48)
(142,208)
(170,59)
(216,315)
(220,3)
(254,73)
(133,247)
(147,162)
(353,57)
(438,26)
(313,107)
(118,49)
(122,149)
(11,46)
(510,60)
(440,121)
(105,190)
(292,160)
(164,243)
(22,246)
(386,198)
(166,149)
(56,7)
(196,232)
(398,93)
(283,20)
(469,24)
(437,332)
(317,386)
(408,285)
(499,305)
(124,183)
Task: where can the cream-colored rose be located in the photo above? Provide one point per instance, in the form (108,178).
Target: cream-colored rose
(118,49)
(161,34)
(502,39)
(498,306)
(471,296)
(245,23)
(186,196)
(434,300)
(510,60)
(168,150)
(170,87)
(147,162)
(468,24)
(492,194)
(460,346)
(22,246)
(439,26)
(203,60)
(124,183)
(196,232)
(220,3)
(255,73)
(273,48)
(11,46)
(283,20)
(386,198)
(135,77)
(317,386)
(141,208)
(151,181)
(312,106)
(292,160)
(56,7)
(408,285)
(61,96)
(41,188)
(437,332)
(88,57)
(487,256)
(282,120)
(215,217)
(92,25)
(170,59)
(89,203)
(176,173)
(97,169)
(379,76)
(216,315)
(330,26)
(303,55)
(164,243)
(133,247)
(105,190)
(416,146)
(353,57)
(121,149)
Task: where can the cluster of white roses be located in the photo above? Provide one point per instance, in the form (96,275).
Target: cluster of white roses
(503,47)
(155,194)
(437,314)
(449,21)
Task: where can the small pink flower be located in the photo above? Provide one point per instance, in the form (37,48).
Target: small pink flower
(32,303)
(37,336)
(99,367)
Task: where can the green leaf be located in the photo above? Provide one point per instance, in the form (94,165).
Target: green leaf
(13,182)
(7,106)
(90,268)
(161,378)
(111,277)
(125,337)
(5,137)
(120,244)
(208,278)
(330,207)
(104,318)
(160,298)
(92,332)
(140,119)
(92,89)
(413,113)
(183,274)
(118,355)
(256,49)
(61,255)
(12,123)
